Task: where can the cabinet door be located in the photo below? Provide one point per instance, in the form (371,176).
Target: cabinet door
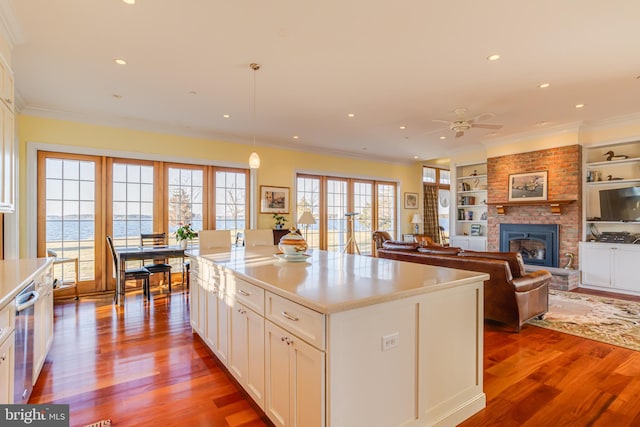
(212,317)
(625,269)
(246,351)
(223,328)
(202,308)
(193,301)
(595,264)
(307,383)
(6,370)
(277,376)
(459,242)
(477,244)
(7,160)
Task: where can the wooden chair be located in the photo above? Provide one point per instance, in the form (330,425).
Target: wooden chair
(161,266)
(258,237)
(130,274)
(64,284)
(379,237)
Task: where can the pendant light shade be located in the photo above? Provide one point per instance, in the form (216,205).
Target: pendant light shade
(254,159)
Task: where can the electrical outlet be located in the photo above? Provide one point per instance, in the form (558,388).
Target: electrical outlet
(390,341)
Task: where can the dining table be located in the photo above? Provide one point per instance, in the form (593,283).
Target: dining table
(132,253)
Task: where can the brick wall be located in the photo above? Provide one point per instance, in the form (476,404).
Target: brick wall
(564,180)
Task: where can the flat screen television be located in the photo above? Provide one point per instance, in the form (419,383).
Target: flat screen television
(620,204)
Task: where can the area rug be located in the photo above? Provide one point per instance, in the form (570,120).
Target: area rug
(610,320)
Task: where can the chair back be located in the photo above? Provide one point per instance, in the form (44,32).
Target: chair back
(209,239)
(51,254)
(113,253)
(153,239)
(258,237)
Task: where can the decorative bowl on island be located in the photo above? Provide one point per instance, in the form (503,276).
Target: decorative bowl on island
(292,244)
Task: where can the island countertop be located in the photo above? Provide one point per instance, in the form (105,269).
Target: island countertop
(15,274)
(330,282)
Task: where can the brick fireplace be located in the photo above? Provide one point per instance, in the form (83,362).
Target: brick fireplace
(564,183)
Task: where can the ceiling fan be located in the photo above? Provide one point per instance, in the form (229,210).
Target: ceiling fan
(460,125)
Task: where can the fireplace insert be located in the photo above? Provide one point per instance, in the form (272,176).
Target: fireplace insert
(538,243)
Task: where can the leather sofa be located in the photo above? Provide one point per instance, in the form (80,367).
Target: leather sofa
(511,295)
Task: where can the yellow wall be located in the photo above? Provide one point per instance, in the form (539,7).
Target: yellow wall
(278,166)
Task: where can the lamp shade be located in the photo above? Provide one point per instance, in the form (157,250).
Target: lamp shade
(306,218)
(416,219)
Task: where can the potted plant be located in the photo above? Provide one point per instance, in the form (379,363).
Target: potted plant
(185,233)
(280,220)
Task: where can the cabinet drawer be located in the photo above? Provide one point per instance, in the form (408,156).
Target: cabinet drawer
(250,295)
(7,320)
(304,322)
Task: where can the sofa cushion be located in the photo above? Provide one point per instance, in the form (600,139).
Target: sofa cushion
(439,250)
(400,245)
(516,263)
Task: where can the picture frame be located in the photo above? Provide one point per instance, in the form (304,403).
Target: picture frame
(528,186)
(475,229)
(411,200)
(274,199)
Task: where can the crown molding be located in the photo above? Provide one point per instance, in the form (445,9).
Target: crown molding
(9,27)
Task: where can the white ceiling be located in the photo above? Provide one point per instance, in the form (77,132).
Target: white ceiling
(404,62)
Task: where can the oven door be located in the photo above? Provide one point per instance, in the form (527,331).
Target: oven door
(23,380)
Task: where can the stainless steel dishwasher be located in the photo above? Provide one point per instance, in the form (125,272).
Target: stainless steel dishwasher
(23,378)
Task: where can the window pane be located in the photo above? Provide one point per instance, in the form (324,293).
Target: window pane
(308,200)
(428,175)
(445,177)
(130,218)
(336,221)
(231,202)
(386,208)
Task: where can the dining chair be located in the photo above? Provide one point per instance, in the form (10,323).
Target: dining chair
(157,266)
(130,274)
(258,237)
(210,239)
(64,284)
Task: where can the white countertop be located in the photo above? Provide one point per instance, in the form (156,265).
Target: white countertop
(15,275)
(332,281)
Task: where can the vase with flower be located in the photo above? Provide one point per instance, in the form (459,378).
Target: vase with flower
(184,234)
(280,220)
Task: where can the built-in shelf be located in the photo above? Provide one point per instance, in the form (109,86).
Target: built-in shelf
(613,162)
(554,205)
(479,221)
(613,181)
(479,190)
(461,178)
(472,206)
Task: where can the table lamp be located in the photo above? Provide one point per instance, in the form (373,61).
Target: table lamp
(417,221)
(305,219)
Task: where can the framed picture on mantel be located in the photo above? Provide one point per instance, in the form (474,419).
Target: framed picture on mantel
(529,186)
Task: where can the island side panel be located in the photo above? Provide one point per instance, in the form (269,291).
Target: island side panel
(433,374)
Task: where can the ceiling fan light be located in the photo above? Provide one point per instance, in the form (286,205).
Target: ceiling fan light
(254,161)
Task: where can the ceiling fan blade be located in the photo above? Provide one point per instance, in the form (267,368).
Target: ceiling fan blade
(459,133)
(483,116)
(485,126)
(441,121)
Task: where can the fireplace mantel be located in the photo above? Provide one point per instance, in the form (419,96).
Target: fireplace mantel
(554,205)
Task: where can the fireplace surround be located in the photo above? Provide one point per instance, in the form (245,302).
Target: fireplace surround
(538,243)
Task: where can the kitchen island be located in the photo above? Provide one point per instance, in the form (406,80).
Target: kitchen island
(343,340)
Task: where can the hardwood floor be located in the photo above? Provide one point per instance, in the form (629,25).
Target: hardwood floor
(142,366)
(138,366)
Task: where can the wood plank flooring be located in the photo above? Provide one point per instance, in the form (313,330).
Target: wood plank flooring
(142,366)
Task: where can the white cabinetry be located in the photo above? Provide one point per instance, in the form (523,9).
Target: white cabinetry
(470,213)
(611,266)
(7,345)
(246,339)
(471,243)
(43,321)
(7,140)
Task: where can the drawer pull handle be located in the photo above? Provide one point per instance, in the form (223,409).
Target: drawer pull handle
(289,316)
(242,311)
(287,340)
(243,292)
(3,358)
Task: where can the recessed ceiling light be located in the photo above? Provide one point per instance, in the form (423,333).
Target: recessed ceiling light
(403,127)
(493,57)
(579,105)
(296,137)
(193,92)
(129,1)
(416,157)
(544,85)
(120,61)
(226,116)
(492,134)
(351,115)
(542,123)
(116,96)
(443,137)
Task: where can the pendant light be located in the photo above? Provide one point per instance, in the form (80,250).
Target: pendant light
(254,159)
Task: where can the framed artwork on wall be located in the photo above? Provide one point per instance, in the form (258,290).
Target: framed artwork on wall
(274,199)
(528,186)
(411,200)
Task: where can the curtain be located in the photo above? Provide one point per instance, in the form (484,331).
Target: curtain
(430,213)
